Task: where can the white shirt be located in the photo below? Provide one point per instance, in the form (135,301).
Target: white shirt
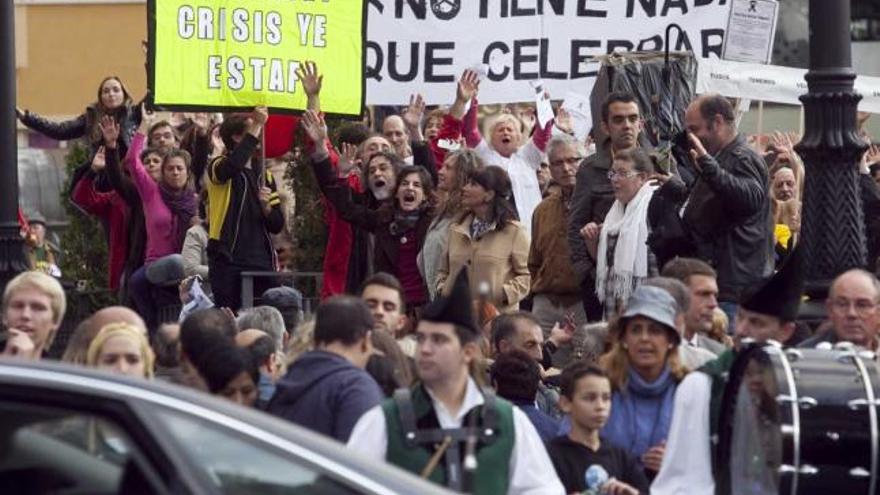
(531,471)
(521,167)
(687,463)
(693,357)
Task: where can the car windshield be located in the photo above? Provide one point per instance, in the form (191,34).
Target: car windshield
(54,450)
(238,464)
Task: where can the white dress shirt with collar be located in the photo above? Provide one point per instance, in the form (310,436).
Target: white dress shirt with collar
(531,472)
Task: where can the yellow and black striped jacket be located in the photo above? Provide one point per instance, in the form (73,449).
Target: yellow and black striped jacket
(236,220)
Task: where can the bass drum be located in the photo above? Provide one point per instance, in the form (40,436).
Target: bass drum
(800,421)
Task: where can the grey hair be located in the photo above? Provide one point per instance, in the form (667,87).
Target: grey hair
(875,283)
(267,319)
(561,140)
(675,288)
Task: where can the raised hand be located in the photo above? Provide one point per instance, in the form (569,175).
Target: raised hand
(229,313)
(347,159)
(99,161)
(468,86)
(218,147)
(110,131)
(310,78)
(759,143)
(412,116)
(147,119)
(697,150)
(19,113)
(529,118)
(873,154)
(314,125)
(563,332)
(201,121)
(564,121)
(260,115)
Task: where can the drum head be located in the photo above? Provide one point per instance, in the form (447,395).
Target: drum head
(751,424)
(798,422)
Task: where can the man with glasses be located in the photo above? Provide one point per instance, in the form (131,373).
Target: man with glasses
(593,195)
(556,288)
(852,311)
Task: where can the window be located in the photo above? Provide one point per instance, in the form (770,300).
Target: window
(50,450)
(239,465)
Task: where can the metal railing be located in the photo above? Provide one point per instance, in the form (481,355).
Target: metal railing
(311,295)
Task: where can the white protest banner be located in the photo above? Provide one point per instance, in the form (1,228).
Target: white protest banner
(750,31)
(424,45)
(771,83)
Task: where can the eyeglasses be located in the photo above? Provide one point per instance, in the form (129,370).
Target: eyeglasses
(863,307)
(572,160)
(621,175)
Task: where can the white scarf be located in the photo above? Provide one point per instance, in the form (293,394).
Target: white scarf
(630,266)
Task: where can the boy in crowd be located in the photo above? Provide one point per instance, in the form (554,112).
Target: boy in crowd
(586,399)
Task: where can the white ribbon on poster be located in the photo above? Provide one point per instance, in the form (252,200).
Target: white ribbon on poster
(771,83)
(424,45)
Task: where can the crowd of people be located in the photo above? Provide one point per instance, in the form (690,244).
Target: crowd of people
(504,314)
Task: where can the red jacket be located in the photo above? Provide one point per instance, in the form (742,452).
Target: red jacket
(339,234)
(451,130)
(111,208)
(339,240)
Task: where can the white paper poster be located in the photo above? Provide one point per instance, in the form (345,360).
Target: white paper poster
(750,31)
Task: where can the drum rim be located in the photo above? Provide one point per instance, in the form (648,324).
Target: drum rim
(733,383)
(872,417)
(793,398)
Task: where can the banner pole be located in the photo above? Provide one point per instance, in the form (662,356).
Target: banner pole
(801,122)
(261,180)
(760,118)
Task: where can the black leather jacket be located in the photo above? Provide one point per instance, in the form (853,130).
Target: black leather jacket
(728,212)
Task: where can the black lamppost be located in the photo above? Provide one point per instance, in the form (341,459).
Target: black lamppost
(832,234)
(12,260)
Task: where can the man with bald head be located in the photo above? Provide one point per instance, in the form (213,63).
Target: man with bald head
(264,351)
(852,310)
(118,314)
(394,130)
(728,207)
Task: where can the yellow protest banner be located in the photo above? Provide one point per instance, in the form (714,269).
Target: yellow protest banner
(233,54)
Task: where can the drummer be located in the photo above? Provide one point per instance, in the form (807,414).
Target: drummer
(767,312)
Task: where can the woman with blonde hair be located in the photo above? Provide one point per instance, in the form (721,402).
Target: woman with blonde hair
(121,348)
(505,147)
(644,369)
